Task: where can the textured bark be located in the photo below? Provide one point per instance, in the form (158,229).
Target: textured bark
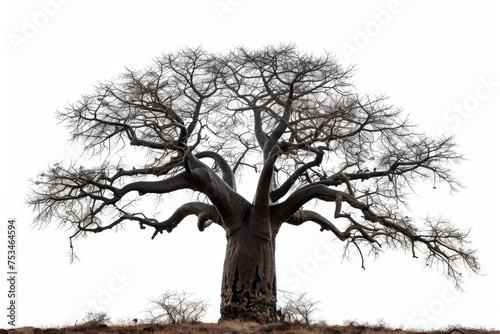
(249,275)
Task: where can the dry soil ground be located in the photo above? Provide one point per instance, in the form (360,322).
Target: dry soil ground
(235,328)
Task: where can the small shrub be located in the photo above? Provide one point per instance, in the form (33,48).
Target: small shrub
(297,307)
(173,307)
(97,318)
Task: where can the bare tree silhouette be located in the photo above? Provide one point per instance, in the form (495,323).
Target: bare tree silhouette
(297,307)
(202,120)
(175,307)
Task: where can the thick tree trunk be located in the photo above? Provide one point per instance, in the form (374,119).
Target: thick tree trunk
(249,277)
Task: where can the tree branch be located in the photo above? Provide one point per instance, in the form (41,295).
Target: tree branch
(277,194)
(302,216)
(227,172)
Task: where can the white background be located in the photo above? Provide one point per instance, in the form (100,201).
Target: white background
(435,59)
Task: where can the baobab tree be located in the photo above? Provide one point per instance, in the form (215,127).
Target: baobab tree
(203,121)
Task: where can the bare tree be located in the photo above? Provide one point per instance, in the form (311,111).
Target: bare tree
(297,307)
(201,120)
(175,307)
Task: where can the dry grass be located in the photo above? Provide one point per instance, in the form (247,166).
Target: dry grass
(233,327)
